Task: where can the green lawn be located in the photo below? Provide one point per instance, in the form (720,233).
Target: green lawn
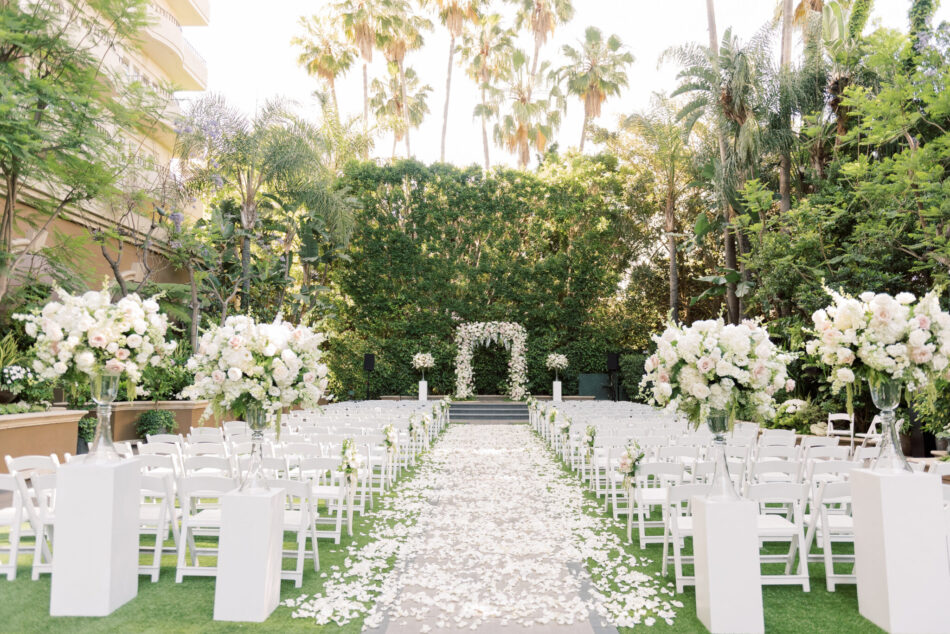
(187,607)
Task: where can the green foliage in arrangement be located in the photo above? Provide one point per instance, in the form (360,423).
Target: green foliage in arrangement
(20,408)
(154,421)
(438,246)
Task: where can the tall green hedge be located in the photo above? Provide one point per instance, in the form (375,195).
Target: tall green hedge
(438,246)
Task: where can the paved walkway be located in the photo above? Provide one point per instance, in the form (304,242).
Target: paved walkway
(498,542)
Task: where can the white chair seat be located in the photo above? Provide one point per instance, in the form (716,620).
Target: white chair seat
(656,495)
(776,525)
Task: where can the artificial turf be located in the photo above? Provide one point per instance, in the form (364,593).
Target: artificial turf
(167,606)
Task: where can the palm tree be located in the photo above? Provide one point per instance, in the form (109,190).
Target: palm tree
(595,71)
(453,14)
(400,31)
(325,54)
(541,17)
(658,140)
(530,122)
(487,49)
(399,101)
(360,20)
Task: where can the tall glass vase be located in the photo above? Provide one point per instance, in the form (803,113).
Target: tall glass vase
(256,418)
(722,488)
(886,394)
(104,388)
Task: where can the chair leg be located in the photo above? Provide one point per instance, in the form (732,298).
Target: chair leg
(37,554)
(829,565)
(182,545)
(678,564)
(159,545)
(666,545)
(14,546)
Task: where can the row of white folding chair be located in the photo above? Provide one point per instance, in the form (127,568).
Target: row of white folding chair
(35,490)
(771,527)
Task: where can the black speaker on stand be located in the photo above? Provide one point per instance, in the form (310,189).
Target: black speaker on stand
(613,367)
(369,365)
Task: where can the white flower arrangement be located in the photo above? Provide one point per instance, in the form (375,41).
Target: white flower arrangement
(390,438)
(590,437)
(16,377)
(877,334)
(350,459)
(556,362)
(716,366)
(513,336)
(629,461)
(423,361)
(275,364)
(88,334)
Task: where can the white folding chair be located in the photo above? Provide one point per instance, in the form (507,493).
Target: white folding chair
(157,513)
(842,426)
(776,471)
(774,527)
(818,441)
(199,498)
(12,518)
(175,439)
(299,518)
(776,437)
(830,523)
(25,471)
(873,435)
(205,434)
(652,479)
(327,484)
(207,466)
(678,519)
(43,487)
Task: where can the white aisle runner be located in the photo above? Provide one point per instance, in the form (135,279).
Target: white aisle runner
(499,541)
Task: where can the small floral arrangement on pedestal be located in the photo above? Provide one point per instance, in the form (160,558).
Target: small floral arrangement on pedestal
(628,463)
(590,437)
(350,464)
(556,362)
(423,361)
(713,366)
(390,438)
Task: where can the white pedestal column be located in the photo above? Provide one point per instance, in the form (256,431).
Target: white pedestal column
(728,576)
(556,392)
(96,538)
(423,391)
(249,555)
(900,548)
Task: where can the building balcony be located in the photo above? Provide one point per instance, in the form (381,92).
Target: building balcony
(191,12)
(166,45)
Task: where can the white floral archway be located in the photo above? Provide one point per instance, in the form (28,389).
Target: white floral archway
(511,335)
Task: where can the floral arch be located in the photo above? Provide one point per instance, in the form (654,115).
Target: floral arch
(511,335)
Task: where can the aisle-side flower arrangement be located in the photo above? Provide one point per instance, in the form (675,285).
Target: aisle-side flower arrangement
(556,362)
(877,335)
(711,365)
(423,361)
(243,363)
(86,335)
(629,461)
(590,437)
(350,464)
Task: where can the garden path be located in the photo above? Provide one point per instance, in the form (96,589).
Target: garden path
(499,542)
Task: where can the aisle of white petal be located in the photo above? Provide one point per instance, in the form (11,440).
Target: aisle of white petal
(489,532)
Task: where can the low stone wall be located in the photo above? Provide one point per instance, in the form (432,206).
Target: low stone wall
(40,433)
(187,415)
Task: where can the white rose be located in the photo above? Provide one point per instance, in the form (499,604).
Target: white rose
(112,347)
(122,354)
(234,374)
(133,341)
(905,298)
(140,326)
(85,360)
(845,375)
(60,368)
(114,366)
(217,376)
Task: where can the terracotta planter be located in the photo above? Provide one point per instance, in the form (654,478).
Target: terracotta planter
(187,414)
(41,433)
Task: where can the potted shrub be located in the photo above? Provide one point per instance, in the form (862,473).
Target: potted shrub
(155,421)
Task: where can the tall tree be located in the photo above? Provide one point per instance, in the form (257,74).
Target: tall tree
(223,152)
(324,52)
(785,157)
(530,120)
(399,102)
(487,48)
(540,18)
(360,24)
(400,32)
(453,14)
(656,139)
(67,118)
(594,71)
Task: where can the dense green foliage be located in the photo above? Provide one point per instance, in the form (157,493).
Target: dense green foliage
(435,247)
(154,421)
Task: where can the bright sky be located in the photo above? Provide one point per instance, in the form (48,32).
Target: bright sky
(250,60)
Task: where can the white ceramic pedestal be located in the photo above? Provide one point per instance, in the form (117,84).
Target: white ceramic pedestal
(557,392)
(423,391)
(96,546)
(249,555)
(900,548)
(728,576)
